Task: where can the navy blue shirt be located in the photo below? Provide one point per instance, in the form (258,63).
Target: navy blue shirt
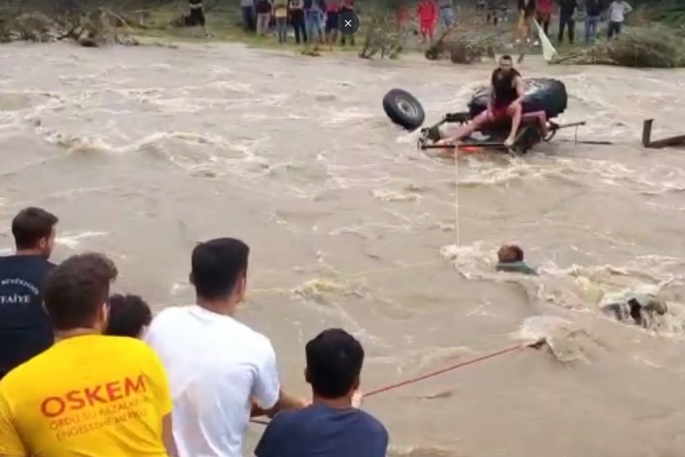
(318,431)
(25,329)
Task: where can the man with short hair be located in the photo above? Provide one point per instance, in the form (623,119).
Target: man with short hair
(217,365)
(88,395)
(332,426)
(504,103)
(25,329)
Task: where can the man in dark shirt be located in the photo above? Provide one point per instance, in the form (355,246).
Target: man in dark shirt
(25,330)
(197,15)
(593,9)
(567,12)
(331,426)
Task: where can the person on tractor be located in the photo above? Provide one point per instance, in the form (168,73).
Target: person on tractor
(504,103)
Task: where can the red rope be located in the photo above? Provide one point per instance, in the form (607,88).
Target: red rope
(432,374)
(444,370)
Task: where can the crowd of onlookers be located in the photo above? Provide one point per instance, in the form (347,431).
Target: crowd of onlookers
(90,373)
(595,11)
(318,22)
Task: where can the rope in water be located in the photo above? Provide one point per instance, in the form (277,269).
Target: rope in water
(456,197)
(437,372)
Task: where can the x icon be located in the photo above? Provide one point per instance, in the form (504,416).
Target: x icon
(348,23)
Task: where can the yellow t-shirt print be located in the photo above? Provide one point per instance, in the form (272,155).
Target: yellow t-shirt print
(89,396)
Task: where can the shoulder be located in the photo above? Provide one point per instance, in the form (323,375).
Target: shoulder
(169,318)
(132,347)
(374,426)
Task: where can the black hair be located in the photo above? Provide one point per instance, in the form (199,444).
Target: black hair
(128,315)
(217,265)
(31,225)
(75,290)
(518,253)
(334,363)
(506,57)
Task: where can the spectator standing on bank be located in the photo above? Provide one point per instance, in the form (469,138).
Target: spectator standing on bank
(333,426)
(543,14)
(314,13)
(567,12)
(129,315)
(447,15)
(247,8)
(88,395)
(347,6)
(617,15)
(427,12)
(332,22)
(297,19)
(263,8)
(218,367)
(281,19)
(196,18)
(593,11)
(25,329)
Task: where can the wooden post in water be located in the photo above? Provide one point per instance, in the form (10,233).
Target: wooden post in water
(647,132)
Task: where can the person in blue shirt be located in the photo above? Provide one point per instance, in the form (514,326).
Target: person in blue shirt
(331,426)
(510,259)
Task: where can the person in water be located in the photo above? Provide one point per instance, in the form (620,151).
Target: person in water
(637,309)
(504,103)
(510,259)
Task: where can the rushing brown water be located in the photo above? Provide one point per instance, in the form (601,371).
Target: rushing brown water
(144,151)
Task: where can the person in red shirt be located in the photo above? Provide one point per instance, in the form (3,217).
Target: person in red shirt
(543,14)
(427,12)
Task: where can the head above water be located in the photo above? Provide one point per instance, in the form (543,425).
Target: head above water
(510,253)
(129,315)
(219,273)
(76,292)
(334,365)
(34,231)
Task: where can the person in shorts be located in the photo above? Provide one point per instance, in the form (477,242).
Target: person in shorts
(504,103)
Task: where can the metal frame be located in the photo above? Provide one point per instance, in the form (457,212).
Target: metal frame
(518,147)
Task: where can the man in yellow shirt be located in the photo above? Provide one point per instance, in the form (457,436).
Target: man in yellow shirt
(88,395)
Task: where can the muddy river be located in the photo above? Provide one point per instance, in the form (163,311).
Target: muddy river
(144,151)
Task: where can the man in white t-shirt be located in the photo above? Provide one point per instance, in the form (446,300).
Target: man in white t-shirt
(221,372)
(617,14)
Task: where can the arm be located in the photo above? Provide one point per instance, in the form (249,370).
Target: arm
(267,393)
(162,392)
(168,436)
(520,89)
(10,442)
(627,6)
